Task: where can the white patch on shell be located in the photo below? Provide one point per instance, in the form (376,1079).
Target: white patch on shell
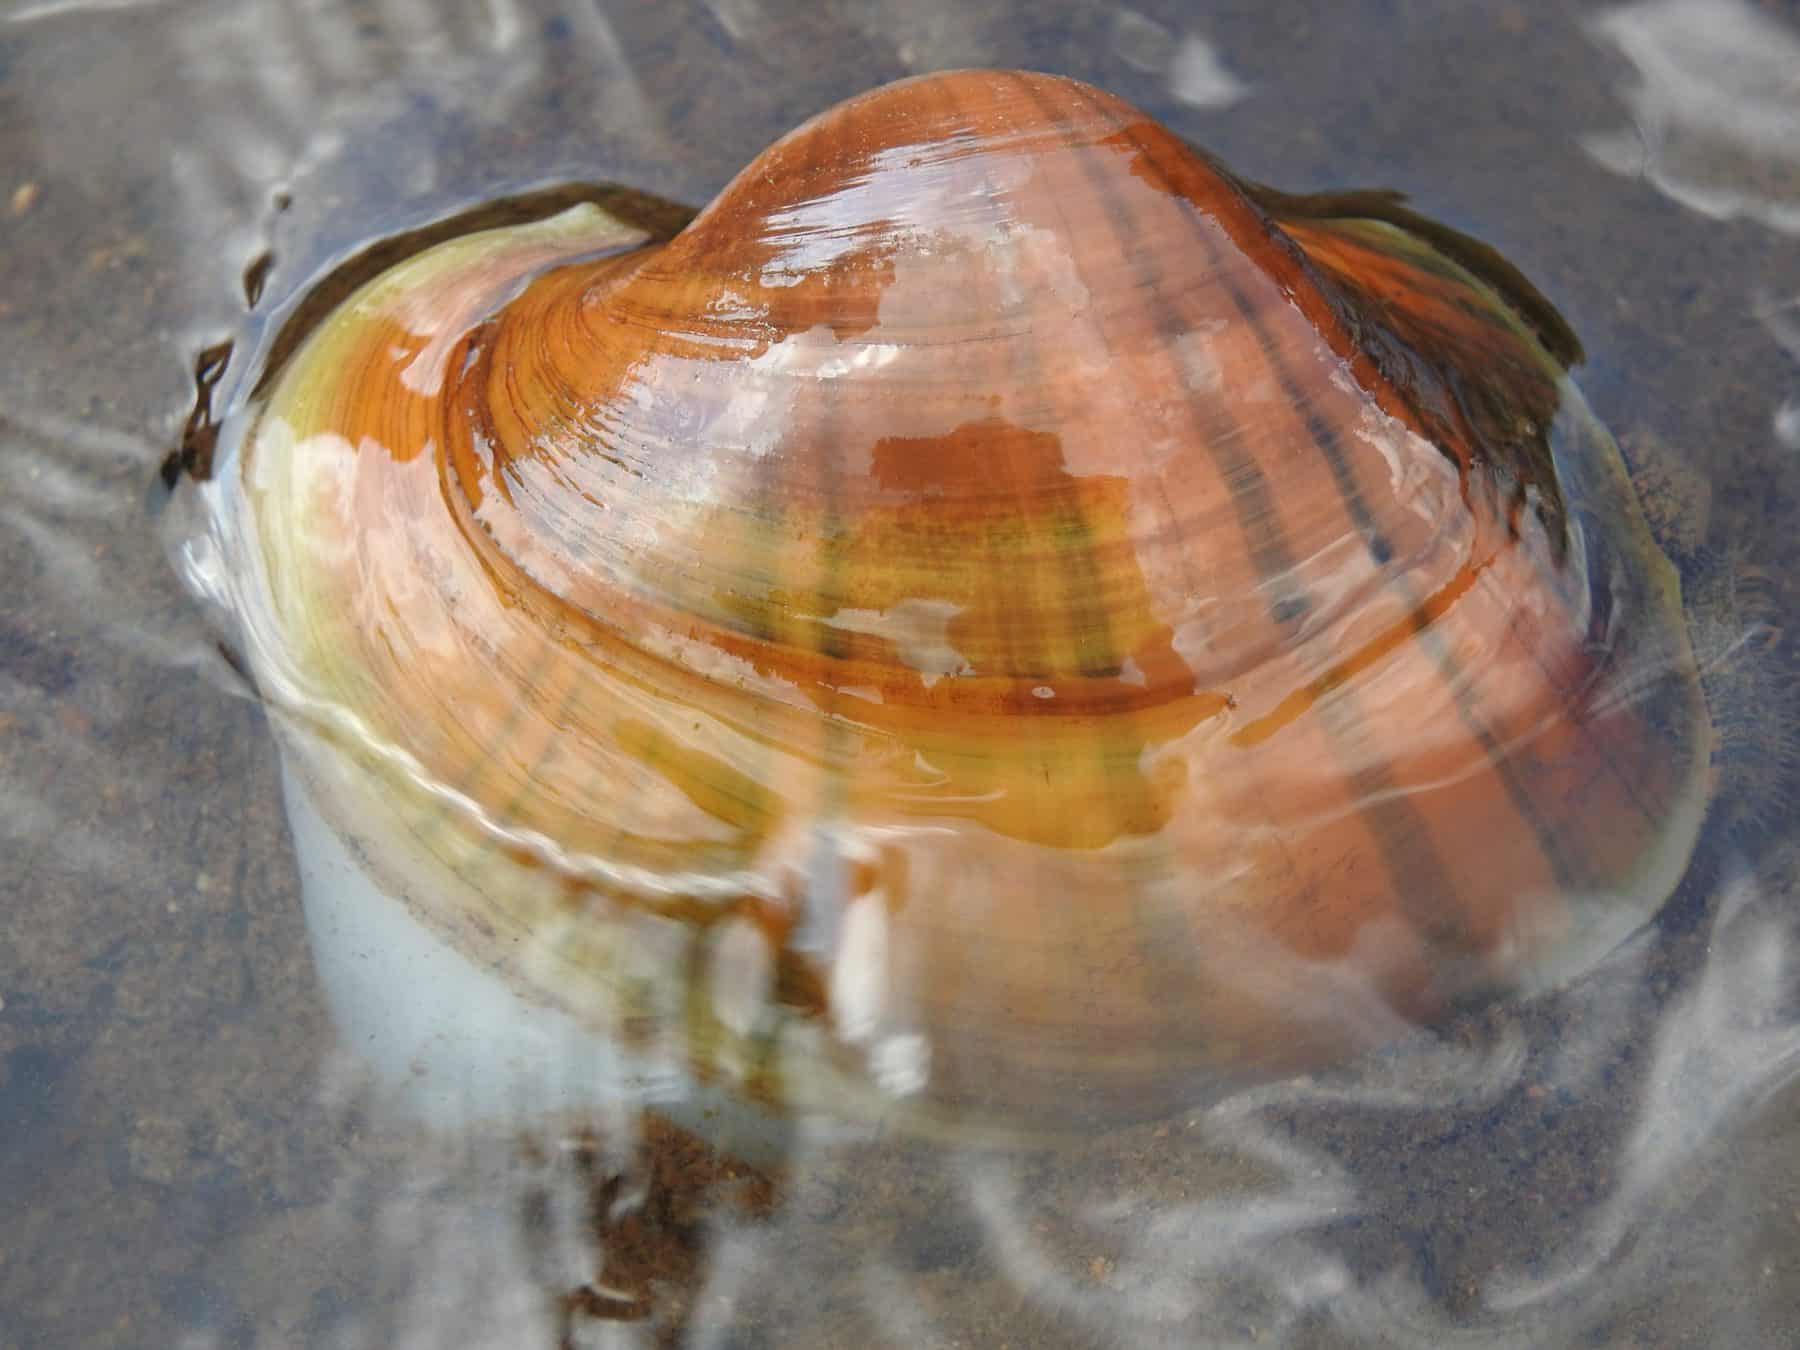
(318,477)
(1422,477)
(1043,254)
(1131,673)
(1049,260)
(868,693)
(860,357)
(721,667)
(1199,363)
(730,305)
(742,976)
(901,1064)
(759,410)
(423,583)
(859,973)
(547,567)
(746,421)
(817,860)
(1192,633)
(422,371)
(919,630)
(914,211)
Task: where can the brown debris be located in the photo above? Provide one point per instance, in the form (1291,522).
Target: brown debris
(654,1229)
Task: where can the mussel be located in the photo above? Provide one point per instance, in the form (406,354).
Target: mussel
(996,621)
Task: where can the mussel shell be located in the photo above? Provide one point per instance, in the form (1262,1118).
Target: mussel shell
(995,614)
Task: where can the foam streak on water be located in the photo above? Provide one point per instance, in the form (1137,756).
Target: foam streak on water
(1715,95)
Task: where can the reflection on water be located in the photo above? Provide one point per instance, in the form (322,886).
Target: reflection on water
(186,1155)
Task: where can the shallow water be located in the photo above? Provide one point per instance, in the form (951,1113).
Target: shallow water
(189,1157)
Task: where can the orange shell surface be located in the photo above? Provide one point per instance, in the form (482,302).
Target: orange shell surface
(1099,632)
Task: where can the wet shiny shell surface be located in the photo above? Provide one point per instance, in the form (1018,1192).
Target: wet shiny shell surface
(1062,625)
